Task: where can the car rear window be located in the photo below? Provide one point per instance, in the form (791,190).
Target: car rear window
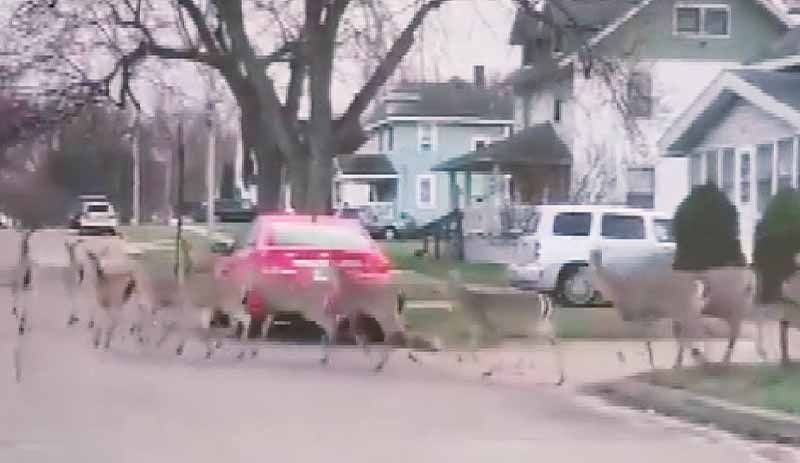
(318,236)
(623,227)
(663,230)
(97,208)
(572,224)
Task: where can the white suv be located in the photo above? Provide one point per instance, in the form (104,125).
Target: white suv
(98,216)
(554,258)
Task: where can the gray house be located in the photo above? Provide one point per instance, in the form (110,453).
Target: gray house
(413,128)
(743,133)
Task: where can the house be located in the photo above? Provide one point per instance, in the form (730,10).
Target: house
(743,133)
(414,127)
(601,81)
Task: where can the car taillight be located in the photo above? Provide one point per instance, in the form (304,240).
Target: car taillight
(376,263)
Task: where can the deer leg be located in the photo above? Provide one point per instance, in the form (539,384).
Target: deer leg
(112,326)
(329,338)
(735,326)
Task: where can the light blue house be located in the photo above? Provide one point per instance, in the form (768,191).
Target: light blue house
(415,127)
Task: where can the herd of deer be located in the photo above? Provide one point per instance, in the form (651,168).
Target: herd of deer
(107,286)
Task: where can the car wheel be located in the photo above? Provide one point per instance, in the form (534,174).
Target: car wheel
(575,286)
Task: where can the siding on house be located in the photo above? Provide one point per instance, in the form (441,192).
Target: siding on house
(454,139)
(745,124)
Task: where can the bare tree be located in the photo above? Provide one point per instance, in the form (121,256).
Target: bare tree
(223,35)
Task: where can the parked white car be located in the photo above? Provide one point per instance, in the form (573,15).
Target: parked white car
(554,258)
(98,217)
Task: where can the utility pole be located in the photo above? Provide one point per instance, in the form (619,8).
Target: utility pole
(210,169)
(179,234)
(137,172)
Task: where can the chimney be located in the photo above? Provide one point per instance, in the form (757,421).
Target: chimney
(480,76)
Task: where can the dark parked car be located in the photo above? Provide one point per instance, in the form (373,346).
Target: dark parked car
(227,210)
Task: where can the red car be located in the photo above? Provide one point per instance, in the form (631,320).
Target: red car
(285,262)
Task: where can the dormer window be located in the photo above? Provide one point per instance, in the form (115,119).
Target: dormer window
(426,134)
(702,20)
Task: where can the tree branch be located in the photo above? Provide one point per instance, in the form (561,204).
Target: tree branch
(351,119)
(199,21)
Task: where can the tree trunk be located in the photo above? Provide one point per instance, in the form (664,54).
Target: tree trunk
(299,180)
(270,163)
(784,342)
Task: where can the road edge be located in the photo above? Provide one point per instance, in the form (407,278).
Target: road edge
(753,423)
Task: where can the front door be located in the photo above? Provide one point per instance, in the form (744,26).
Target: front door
(746,197)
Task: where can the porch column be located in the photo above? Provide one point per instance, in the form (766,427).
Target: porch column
(467,188)
(497,187)
(453,190)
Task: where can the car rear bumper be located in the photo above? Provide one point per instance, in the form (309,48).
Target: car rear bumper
(535,276)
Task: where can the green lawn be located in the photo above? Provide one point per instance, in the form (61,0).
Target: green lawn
(403,258)
(767,386)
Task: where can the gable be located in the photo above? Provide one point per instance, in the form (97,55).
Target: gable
(650,33)
(743,123)
(768,91)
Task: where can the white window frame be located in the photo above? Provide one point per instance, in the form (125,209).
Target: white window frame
(702,7)
(432,179)
(434,135)
(474,142)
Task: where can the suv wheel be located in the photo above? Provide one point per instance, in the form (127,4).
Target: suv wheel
(575,286)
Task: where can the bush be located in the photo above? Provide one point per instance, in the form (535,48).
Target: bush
(777,241)
(706,227)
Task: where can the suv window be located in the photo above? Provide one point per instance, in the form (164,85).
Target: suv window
(623,227)
(97,208)
(572,224)
(663,230)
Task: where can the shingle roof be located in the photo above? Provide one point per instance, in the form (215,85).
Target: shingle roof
(365,164)
(781,85)
(536,145)
(449,99)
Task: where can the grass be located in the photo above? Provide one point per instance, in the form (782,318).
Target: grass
(767,386)
(403,258)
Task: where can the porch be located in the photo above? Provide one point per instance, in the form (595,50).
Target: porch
(531,167)
(366,181)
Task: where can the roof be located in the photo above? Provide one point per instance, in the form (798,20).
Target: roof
(597,19)
(449,99)
(775,92)
(365,164)
(536,145)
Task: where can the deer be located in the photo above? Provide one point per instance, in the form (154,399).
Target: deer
(335,297)
(538,322)
(655,292)
(191,307)
(73,277)
(114,287)
(19,277)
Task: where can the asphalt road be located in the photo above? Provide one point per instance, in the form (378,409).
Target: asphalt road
(77,404)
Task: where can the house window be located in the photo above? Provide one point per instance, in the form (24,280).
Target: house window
(640,94)
(641,187)
(712,170)
(426,132)
(705,21)
(479,143)
(390,138)
(557,110)
(729,172)
(426,191)
(785,161)
(745,178)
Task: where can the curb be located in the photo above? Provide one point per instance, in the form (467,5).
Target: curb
(754,423)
